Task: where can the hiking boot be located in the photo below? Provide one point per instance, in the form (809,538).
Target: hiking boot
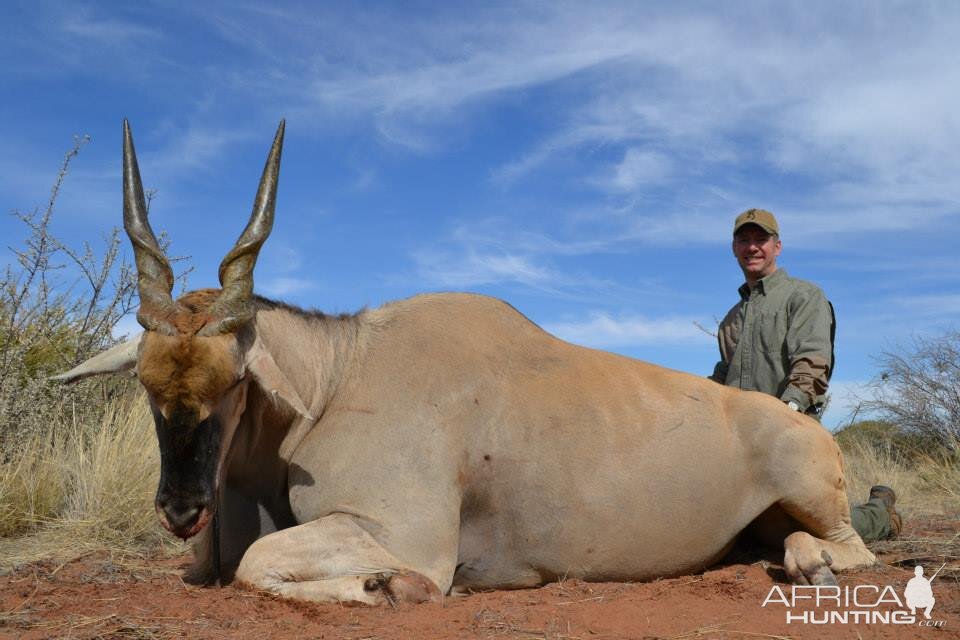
(889,499)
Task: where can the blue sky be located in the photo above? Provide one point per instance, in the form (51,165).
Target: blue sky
(583,161)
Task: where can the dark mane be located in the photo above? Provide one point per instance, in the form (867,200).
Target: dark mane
(310,314)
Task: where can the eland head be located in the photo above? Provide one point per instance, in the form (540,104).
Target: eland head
(198,354)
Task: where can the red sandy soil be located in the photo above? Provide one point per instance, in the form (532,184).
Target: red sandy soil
(95,597)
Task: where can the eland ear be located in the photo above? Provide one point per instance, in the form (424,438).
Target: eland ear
(272,380)
(122,357)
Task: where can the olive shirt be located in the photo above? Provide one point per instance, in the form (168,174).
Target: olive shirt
(779,340)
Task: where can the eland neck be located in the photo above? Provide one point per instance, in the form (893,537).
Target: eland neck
(314,351)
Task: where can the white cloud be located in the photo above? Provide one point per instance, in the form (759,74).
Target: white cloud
(284,286)
(280,258)
(559,142)
(106,31)
(496,251)
(512,54)
(680,228)
(810,91)
(499,234)
(639,168)
(54,39)
(472,268)
(365,180)
(195,147)
(603,330)
(942,305)
(869,127)
(704,98)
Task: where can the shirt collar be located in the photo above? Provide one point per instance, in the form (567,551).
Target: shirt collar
(766,284)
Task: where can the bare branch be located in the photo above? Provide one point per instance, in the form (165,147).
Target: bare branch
(918,388)
(59,305)
(712,334)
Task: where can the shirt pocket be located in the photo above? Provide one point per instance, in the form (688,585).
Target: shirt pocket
(771,331)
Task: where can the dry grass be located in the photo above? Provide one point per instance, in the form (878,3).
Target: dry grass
(32,483)
(925,483)
(70,489)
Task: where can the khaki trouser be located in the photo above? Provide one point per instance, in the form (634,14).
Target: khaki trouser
(871,520)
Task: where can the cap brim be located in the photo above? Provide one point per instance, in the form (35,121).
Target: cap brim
(772,232)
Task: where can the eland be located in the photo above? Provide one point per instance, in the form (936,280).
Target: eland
(445,443)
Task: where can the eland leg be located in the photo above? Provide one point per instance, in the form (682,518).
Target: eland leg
(816,499)
(332,559)
(829,542)
(243,519)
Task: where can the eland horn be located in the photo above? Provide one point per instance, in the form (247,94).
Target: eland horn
(234,307)
(154,275)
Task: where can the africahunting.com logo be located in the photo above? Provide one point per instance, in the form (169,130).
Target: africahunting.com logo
(860,604)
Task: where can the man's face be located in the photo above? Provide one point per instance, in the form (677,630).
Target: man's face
(756,252)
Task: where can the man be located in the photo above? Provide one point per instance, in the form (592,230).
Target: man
(784,326)
(778,339)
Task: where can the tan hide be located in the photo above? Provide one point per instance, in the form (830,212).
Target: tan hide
(460,447)
(260,365)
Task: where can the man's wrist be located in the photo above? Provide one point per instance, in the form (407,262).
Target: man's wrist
(796,396)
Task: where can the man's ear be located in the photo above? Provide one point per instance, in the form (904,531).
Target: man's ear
(272,380)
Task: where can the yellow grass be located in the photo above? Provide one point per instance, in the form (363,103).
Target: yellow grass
(32,483)
(71,489)
(925,484)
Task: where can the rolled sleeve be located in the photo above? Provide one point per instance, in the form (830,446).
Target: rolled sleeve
(720,372)
(795,394)
(809,347)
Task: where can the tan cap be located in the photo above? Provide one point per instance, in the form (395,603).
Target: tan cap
(760,217)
